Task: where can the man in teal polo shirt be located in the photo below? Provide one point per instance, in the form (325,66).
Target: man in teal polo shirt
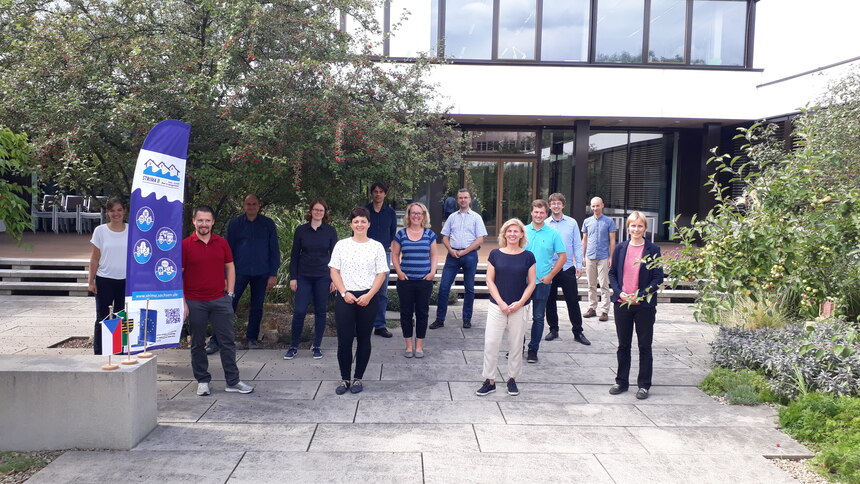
(545,243)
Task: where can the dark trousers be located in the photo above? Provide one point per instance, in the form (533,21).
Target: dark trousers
(220,313)
(566,280)
(414,299)
(310,290)
(642,318)
(354,322)
(110,292)
(258,296)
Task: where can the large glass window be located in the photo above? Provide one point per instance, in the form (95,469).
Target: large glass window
(667,31)
(564,31)
(556,162)
(619,31)
(517,19)
(511,142)
(469,29)
(719,28)
(412,28)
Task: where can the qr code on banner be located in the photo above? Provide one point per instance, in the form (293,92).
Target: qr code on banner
(172,316)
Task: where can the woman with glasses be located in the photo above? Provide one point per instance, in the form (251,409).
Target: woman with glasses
(310,279)
(413,254)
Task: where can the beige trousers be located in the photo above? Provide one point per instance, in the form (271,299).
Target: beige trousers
(497,323)
(597,271)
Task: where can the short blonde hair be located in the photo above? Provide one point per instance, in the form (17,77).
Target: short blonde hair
(514,221)
(637,215)
(425,222)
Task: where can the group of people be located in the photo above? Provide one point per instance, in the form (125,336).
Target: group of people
(523,277)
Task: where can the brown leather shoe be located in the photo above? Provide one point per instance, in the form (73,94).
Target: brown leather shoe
(604,317)
(590,313)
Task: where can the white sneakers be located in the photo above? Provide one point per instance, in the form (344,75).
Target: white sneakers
(241,387)
(203,389)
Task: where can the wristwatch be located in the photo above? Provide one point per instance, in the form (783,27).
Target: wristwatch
(231,294)
(343,294)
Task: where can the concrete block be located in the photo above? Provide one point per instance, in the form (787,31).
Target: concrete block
(62,402)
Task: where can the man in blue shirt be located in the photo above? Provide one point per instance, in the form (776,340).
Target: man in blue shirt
(567,277)
(598,243)
(546,245)
(383,225)
(462,235)
(253,240)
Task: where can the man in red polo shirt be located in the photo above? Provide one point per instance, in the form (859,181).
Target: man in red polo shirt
(206,261)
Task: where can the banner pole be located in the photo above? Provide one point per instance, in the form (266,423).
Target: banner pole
(145,325)
(109,366)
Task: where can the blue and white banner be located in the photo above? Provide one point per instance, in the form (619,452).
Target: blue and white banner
(154,266)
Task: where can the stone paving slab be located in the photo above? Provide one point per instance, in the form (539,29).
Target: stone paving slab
(390,390)
(767,442)
(269,411)
(557,439)
(278,390)
(170,389)
(721,416)
(450,468)
(183,409)
(701,469)
(541,372)
(228,437)
(432,372)
(325,369)
(660,395)
(431,356)
(611,360)
(154,467)
(529,392)
(429,412)
(329,467)
(182,370)
(474,357)
(395,438)
(546,413)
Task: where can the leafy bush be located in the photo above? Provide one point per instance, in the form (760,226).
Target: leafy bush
(795,358)
(742,387)
(831,425)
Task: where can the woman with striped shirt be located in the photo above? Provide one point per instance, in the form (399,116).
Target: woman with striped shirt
(413,254)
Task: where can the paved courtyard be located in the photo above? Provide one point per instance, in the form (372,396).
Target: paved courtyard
(418,420)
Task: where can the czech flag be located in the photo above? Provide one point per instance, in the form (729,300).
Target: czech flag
(111,336)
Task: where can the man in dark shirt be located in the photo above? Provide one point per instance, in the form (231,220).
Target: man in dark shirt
(207,263)
(383,225)
(253,239)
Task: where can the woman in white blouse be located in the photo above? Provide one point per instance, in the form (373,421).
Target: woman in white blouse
(358,269)
(107,266)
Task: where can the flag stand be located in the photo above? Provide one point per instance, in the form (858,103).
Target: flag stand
(109,366)
(127,327)
(144,325)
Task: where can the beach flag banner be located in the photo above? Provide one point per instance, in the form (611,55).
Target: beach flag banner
(154,267)
(112,336)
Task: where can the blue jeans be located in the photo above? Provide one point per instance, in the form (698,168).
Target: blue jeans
(539,299)
(469,264)
(382,295)
(258,296)
(310,290)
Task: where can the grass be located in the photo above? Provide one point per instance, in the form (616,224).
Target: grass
(12,463)
(744,387)
(765,311)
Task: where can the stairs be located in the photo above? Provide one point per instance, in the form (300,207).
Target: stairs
(55,277)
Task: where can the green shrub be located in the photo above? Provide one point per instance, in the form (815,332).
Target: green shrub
(831,426)
(742,387)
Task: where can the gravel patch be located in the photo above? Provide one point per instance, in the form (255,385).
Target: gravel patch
(46,456)
(799,469)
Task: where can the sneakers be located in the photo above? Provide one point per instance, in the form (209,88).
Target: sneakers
(603,317)
(642,394)
(486,389)
(590,313)
(240,387)
(437,324)
(317,353)
(467,323)
(616,389)
(551,335)
(512,388)
(342,388)
(382,332)
(291,353)
(212,347)
(580,338)
(356,387)
(253,345)
(203,389)
(532,357)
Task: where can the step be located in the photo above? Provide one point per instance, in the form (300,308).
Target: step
(18,275)
(39,288)
(33,263)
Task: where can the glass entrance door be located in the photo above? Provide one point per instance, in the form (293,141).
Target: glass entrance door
(503,189)
(485,183)
(517,192)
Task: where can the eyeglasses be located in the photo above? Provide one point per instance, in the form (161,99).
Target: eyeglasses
(318,210)
(417,214)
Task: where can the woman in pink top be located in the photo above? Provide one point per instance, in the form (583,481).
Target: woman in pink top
(634,287)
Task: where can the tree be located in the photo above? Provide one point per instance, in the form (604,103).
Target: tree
(281,101)
(14,160)
(795,234)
